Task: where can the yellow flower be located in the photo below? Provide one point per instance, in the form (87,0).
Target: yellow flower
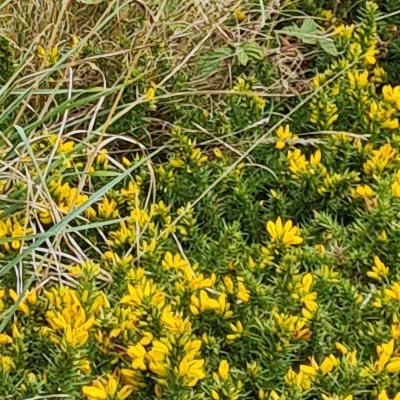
(382,237)
(259,102)
(328,364)
(138,354)
(303,379)
(157,357)
(106,388)
(107,209)
(22,305)
(94,392)
(357,79)
(217,152)
(174,262)
(390,123)
(5,339)
(49,56)
(384,396)
(344,31)
(396,188)
(237,331)
(392,293)
(297,162)
(315,158)
(380,159)
(74,40)
(342,348)
(391,95)
(394,365)
(223,370)
(379,270)
(384,351)
(242,294)
(273,395)
(191,370)
(283,135)
(287,234)
(239,15)
(150,94)
(6,364)
(228,284)
(370,56)
(295,325)
(362,191)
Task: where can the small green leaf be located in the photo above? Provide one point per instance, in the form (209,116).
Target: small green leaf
(307,33)
(253,50)
(309,26)
(210,61)
(328,46)
(242,56)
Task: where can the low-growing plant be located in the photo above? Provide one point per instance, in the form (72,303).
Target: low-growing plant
(199,201)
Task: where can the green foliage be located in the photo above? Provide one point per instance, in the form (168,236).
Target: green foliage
(220,221)
(6,60)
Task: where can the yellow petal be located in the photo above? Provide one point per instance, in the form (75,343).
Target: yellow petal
(394,365)
(94,392)
(271,229)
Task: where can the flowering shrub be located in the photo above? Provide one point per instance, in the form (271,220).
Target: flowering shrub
(238,247)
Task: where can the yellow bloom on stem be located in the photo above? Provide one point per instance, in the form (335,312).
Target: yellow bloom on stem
(362,191)
(392,292)
(237,331)
(393,365)
(297,162)
(239,14)
(5,339)
(106,388)
(107,209)
(49,56)
(243,295)
(379,270)
(6,364)
(301,380)
(357,79)
(150,94)
(396,188)
(223,370)
(95,392)
(22,305)
(328,364)
(173,261)
(380,159)
(342,348)
(384,396)
(315,158)
(385,352)
(369,56)
(392,95)
(286,235)
(283,135)
(138,354)
(191,370)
